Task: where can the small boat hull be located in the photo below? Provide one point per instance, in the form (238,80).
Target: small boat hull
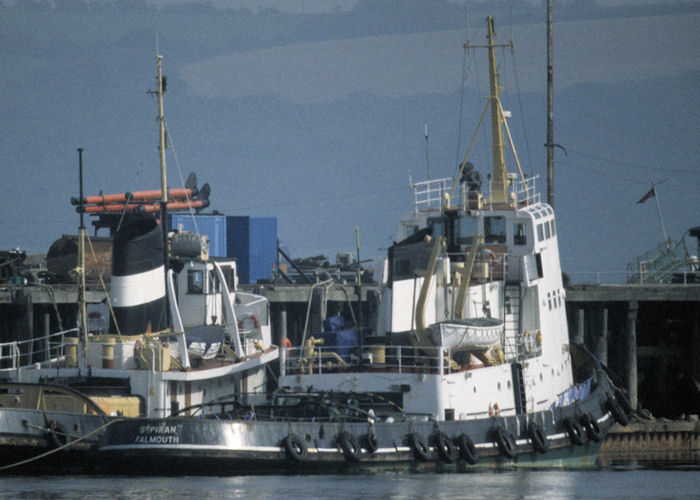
(468,334)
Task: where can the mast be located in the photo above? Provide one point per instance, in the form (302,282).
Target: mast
(163,177)
(81,257)
(550,110)
(500,181)
(499,189)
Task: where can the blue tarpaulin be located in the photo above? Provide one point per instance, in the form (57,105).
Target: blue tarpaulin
(333,323)
(343,342)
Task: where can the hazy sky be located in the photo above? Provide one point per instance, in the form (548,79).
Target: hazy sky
(314,111)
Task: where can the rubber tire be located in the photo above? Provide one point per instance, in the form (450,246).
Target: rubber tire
(351,448)
(420,447)
(617,412)
(506,443)
(575,431)
(539,439)
(467,450)
(445,447)
(296,448)
(592,428)
(371,443)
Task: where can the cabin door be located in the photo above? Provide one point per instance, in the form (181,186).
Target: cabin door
(519,389)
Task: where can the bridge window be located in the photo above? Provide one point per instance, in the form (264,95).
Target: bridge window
(519,237)
(229,277)
(540,232)
(495,229)
(195,281)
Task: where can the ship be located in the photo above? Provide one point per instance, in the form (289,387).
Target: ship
(470,364)
(176,331)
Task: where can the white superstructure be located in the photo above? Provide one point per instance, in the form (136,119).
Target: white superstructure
(468,266)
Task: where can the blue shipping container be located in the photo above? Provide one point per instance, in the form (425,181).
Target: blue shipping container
(214,226)
(252,240)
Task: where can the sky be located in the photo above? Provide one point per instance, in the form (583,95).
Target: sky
(314,112)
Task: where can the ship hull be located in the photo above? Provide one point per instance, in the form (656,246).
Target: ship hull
(217,446)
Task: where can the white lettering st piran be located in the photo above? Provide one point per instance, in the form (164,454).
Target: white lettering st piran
(161,433)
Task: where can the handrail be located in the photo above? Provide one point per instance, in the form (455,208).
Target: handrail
(25,348)
(374,357)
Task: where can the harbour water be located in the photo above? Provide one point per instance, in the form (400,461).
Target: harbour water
(615,483)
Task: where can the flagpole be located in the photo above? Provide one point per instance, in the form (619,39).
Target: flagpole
(658,209)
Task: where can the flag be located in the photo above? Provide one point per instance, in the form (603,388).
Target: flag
(650,194)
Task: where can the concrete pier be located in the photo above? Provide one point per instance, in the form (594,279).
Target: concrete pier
(648,335)
(652,441)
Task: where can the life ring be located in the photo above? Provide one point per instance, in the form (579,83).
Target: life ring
(137,347)
(467,450)
(591,427)
(296,448)
(56,435)
(350,447)
(506,442)
(538,438)
(494,410)
(617,412)
(575,431)
(371,442)
(420,447)
(287,344)
(445,447)
(252,317)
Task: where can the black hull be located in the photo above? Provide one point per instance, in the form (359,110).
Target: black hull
(39,442)
(229,447)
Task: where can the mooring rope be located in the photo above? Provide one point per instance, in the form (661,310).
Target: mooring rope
(51,452)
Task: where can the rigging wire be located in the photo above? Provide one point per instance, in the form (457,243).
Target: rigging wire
(179,171)
(522,112)
(461,94)
(633,165)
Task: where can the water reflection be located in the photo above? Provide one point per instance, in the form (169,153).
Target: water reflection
(617,483)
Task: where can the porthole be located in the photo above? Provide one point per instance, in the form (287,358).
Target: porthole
(499,386)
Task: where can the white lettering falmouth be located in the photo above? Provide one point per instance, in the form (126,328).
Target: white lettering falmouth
(158,434)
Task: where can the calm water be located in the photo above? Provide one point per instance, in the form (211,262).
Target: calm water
(599,484)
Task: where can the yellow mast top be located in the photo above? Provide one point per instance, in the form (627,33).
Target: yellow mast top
(500,182)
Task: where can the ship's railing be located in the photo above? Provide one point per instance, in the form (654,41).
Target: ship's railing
(252,313)
(430,195)
(526,191)
(631,277)
(16,354)
(377,358)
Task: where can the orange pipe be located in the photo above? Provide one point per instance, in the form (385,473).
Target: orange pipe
(147,208)
(152,195)
(111,208)
(173,205)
